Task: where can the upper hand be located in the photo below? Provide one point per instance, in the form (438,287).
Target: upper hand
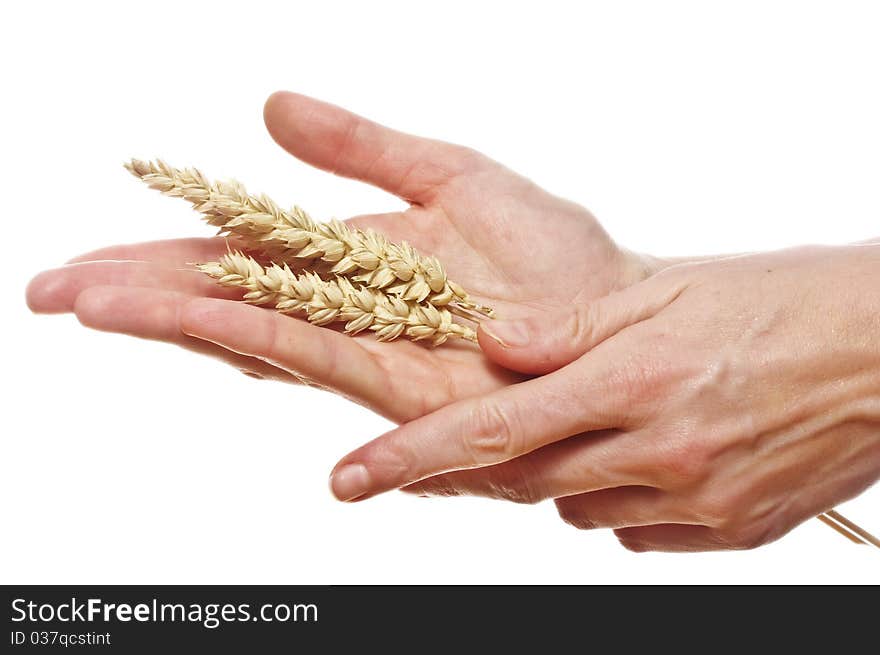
(511,244)
(714,405)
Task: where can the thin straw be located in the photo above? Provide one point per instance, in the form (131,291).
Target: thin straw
(847,528)
(831,523)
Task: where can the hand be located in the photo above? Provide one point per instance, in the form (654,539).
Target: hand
(714,405)
(511,244)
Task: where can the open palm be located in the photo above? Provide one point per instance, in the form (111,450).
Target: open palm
(514,246)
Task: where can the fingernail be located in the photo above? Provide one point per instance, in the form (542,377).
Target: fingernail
(510,334)
(349,482)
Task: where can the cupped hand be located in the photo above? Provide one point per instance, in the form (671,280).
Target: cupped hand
(512,245)
(713,405)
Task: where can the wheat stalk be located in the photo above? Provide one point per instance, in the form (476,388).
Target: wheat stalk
(336,299)
(293,237)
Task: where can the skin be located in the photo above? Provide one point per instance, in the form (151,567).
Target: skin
(715,405)
(514,246)
(681,403)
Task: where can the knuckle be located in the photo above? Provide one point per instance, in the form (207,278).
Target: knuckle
(491,433)
(346,143)
(746,535)
(438,485)
(468,158)
(572,513)
(518,484)
(272,342)
(627,539)
(442,165)
(650,378)
(711,511)
(720,510)
(391,458)
(633,545)
(684,461)
(643,379)
(582,324)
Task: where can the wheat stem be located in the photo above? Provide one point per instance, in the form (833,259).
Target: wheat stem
(337,299)
(847,528)
(295,238)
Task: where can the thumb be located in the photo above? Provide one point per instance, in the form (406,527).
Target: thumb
(546,341)
(334,139)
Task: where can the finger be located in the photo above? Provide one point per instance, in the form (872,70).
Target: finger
(168,252)
(576,465)
(671,538)
(153,314)
(543,343)
(618,508)
(330,359)
(333,139)
(488,430)
(56,290)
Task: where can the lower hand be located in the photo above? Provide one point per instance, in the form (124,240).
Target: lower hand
(512,244)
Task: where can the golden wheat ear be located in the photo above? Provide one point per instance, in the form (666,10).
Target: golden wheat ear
(336,300)
(294,238)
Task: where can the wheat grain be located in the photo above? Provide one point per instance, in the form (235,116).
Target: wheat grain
(295,238)
(336,299)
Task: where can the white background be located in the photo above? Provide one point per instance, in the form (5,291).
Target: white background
(686,127)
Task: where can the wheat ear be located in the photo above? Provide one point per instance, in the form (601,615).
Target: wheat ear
(336,299)
(293,237)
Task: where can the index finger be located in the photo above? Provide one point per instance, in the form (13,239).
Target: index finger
(487,430)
